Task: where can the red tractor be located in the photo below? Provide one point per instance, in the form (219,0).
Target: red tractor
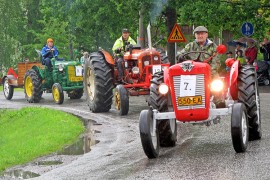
(101,74)
(185,93)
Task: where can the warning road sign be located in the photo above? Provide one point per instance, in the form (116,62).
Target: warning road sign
(176,35)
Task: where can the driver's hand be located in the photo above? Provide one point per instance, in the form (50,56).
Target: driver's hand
(118,50)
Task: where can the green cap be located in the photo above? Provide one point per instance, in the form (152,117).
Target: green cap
(200,29)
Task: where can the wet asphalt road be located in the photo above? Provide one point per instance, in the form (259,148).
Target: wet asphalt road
(201,152)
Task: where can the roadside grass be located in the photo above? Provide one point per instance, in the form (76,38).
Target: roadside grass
(15,89)
(32,132)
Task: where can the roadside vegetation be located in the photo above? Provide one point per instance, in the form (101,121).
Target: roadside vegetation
(15,89)
(32,132)
(84,25)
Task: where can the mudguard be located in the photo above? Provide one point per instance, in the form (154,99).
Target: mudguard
(233,80)
(108,57)
(38,70)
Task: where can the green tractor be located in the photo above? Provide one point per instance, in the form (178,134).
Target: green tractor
(64,76)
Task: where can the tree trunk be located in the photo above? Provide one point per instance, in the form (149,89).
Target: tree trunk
(171,20)
(71,50)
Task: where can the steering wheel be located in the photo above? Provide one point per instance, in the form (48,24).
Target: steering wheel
(185,56)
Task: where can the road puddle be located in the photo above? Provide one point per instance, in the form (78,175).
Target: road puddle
(47,163)
(81,146)
(19,173)
(84,143)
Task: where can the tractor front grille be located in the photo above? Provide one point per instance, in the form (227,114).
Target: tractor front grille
(199,91)
(72,74)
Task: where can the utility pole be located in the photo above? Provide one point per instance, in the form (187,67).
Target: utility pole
(171,20)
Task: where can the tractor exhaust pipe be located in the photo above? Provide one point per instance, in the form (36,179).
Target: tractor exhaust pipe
(149,36)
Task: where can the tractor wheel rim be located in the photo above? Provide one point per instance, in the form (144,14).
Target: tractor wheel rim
(266,82)
(90,86)
(117,101)
(56,94)
(153,135)
(258,106)
(6,88)
(244,128)
(29,86)
(172,125)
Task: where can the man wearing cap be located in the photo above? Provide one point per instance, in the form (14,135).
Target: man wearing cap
(202,43)
(119,49)
(48,52)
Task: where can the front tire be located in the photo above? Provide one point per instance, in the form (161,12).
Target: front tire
(167,128)
(75,94)
(58,94)
(239,127)
(8,90)
(121,100)
(32,86)
(149,139)
(248,94)
(98,83)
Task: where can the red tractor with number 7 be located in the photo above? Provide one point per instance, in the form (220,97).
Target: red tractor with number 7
(185,93)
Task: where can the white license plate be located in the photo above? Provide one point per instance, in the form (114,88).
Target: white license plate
(79,70)
(156,68)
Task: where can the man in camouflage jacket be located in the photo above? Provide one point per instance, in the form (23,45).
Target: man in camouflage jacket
(202,43)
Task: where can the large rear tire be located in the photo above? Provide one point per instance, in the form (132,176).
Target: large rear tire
(32,86)
(239,127)
(167,128)
(98,83)
(150,140)
(164,58)
(248,94)
(8,90)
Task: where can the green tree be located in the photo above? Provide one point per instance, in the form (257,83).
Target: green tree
(10,33)
(87,25)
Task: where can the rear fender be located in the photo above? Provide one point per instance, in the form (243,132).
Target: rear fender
(233,80)
(107,56)
(39,71)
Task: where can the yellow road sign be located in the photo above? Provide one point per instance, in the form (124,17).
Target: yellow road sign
(176,35)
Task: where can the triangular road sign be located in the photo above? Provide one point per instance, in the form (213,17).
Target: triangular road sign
(176,35)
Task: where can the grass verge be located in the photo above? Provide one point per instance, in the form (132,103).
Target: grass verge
(15,89)
(31,132)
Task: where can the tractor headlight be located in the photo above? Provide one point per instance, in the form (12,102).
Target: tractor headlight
(135,70)
(146,63)
(60,67)
(217,85)
(155,58)
(163,89)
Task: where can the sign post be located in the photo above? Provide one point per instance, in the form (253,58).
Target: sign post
(176,36)
(247,29)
